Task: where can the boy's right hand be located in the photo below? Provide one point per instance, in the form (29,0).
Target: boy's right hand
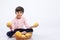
(10,27)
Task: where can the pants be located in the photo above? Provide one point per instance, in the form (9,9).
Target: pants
(10,33)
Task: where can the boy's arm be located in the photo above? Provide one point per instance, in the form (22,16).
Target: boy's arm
(13,25)
(25,23)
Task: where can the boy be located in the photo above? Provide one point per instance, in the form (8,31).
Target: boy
(18,22)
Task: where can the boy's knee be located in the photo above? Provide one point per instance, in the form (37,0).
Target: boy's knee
(9,34)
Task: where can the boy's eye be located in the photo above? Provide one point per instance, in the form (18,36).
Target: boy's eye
(19,12)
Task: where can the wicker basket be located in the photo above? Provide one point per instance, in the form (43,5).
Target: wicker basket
(26,38)
(21,38)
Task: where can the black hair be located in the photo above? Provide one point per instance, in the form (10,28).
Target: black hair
(19,8)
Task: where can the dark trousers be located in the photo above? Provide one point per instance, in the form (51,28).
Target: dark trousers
(10,33)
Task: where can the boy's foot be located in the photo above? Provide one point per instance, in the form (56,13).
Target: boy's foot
(13,36)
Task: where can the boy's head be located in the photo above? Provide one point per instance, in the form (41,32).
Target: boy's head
(19,11)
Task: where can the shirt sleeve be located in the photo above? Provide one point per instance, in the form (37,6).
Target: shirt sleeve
(13,25)
(26,24)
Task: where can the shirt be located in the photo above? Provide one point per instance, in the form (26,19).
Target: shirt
(19,23)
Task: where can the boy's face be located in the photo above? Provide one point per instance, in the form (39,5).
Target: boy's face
(19,14)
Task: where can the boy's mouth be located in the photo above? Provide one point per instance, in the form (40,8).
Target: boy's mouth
(18,17)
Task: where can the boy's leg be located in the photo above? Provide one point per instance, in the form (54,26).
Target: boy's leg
(29,30)
(10,33)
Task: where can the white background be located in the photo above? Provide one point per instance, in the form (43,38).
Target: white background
(45,12)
